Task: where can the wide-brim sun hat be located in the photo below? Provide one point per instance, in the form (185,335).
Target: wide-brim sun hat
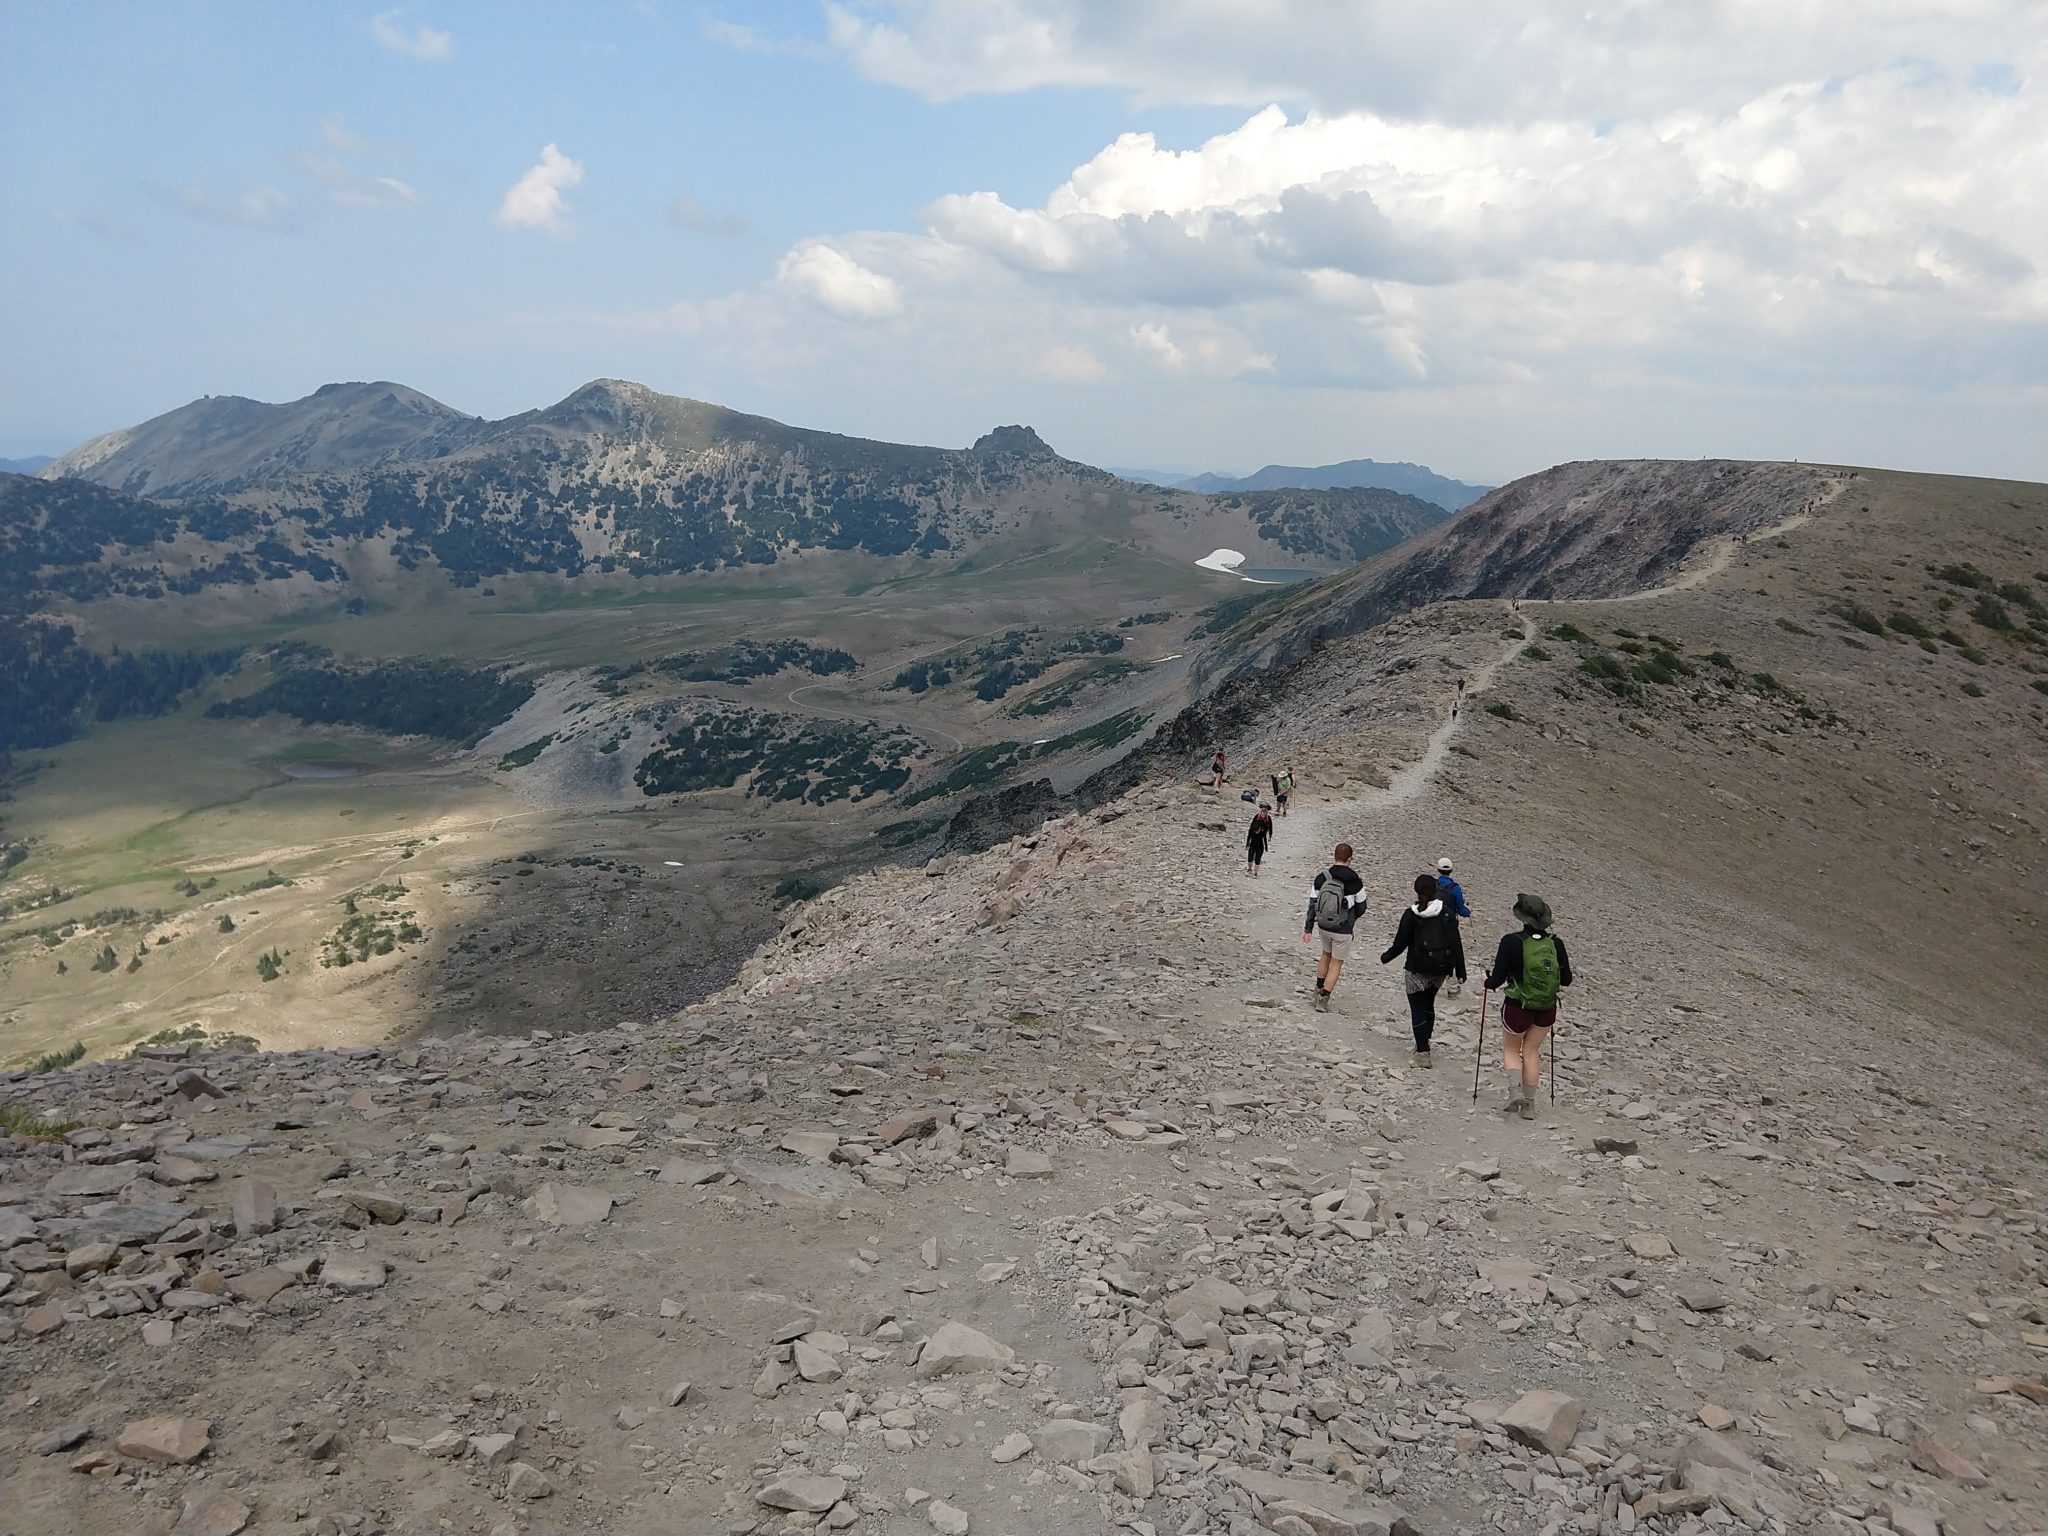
(1532,911)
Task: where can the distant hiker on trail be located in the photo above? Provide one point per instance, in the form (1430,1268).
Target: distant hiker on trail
(1216,770)
(1428,936)
(1283,788)
(1532,966)
(1257,838)
(1334,902)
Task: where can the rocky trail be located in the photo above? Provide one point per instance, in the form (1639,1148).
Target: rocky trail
(1027,1194)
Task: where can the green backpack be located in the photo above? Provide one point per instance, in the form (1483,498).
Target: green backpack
(1538,986)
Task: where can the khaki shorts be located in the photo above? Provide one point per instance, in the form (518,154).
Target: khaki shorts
(1336,945)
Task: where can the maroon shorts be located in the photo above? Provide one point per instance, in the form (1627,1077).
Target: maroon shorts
(1520,1020)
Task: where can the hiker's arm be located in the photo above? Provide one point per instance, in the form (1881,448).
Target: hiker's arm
(1309,921)
(1463,910)
(1404,932)
(1564,965)
(1506,962)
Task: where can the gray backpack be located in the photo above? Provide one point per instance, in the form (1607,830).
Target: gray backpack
(1330,903)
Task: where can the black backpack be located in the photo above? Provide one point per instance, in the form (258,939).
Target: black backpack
(1433,951)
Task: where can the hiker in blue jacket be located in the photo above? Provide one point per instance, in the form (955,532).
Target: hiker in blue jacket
(1452,893)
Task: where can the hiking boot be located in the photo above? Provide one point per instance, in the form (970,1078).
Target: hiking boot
(1322,1001)
(1424,1060)
(1528,1103)
(1513,1101)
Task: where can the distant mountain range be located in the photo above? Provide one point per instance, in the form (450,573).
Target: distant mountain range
(615,478)
(1409,479)
(27,466)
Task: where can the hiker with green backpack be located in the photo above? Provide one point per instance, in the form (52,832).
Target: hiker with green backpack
(1428,936)
(1532,966)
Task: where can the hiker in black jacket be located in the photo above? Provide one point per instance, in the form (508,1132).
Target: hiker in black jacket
(1256,839)
(1331,917)
(1531,966)
(1428,936)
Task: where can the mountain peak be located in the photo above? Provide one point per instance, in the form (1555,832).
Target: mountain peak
(1018,442)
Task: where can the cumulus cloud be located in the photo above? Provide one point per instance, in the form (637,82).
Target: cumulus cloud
(393,36)
(836,282)
(1560,211)
(535,201)
(1455,61)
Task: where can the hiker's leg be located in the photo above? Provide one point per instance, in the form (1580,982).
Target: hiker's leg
(1336,967)
(1511,1062)
(1532,1058)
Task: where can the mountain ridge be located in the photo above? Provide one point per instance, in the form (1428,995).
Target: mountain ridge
(618,476)
(1404,476)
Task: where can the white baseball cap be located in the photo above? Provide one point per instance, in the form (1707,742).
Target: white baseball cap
(1443,866)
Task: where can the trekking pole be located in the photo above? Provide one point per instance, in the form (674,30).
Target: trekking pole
(1479,1051)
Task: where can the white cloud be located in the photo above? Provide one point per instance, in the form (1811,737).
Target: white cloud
(1493,223)
(257,208)
(830,278)
(534,201)
(1072,365)
(351,189)
(428,43)
(1454,61)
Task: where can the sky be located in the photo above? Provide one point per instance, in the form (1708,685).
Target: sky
(1171,234)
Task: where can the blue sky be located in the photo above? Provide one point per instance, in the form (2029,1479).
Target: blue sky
(1191,234)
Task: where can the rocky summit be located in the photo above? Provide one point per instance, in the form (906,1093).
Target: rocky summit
(1027,1192)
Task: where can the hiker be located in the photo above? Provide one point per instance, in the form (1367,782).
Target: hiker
(1452,892)
(1453,896)
(1216,770)
(1334,902)
(1428,936)
(1257,838)
(1532,966)
(1283,789)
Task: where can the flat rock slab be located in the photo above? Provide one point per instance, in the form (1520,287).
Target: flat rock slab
(1025,1164)
(1327,1508)
(217,1149)
(571,1205)
(1069,1440)
(1651,1245)
(805,1493)
(352,1273)
(212,1512)
(955,1347)
(165,1441)
(117,1224)
(810,1182)
(84,1179)
(688,1172)
(814,1146)
(1543,1420)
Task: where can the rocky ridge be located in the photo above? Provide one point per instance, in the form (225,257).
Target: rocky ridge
(1025,1193)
